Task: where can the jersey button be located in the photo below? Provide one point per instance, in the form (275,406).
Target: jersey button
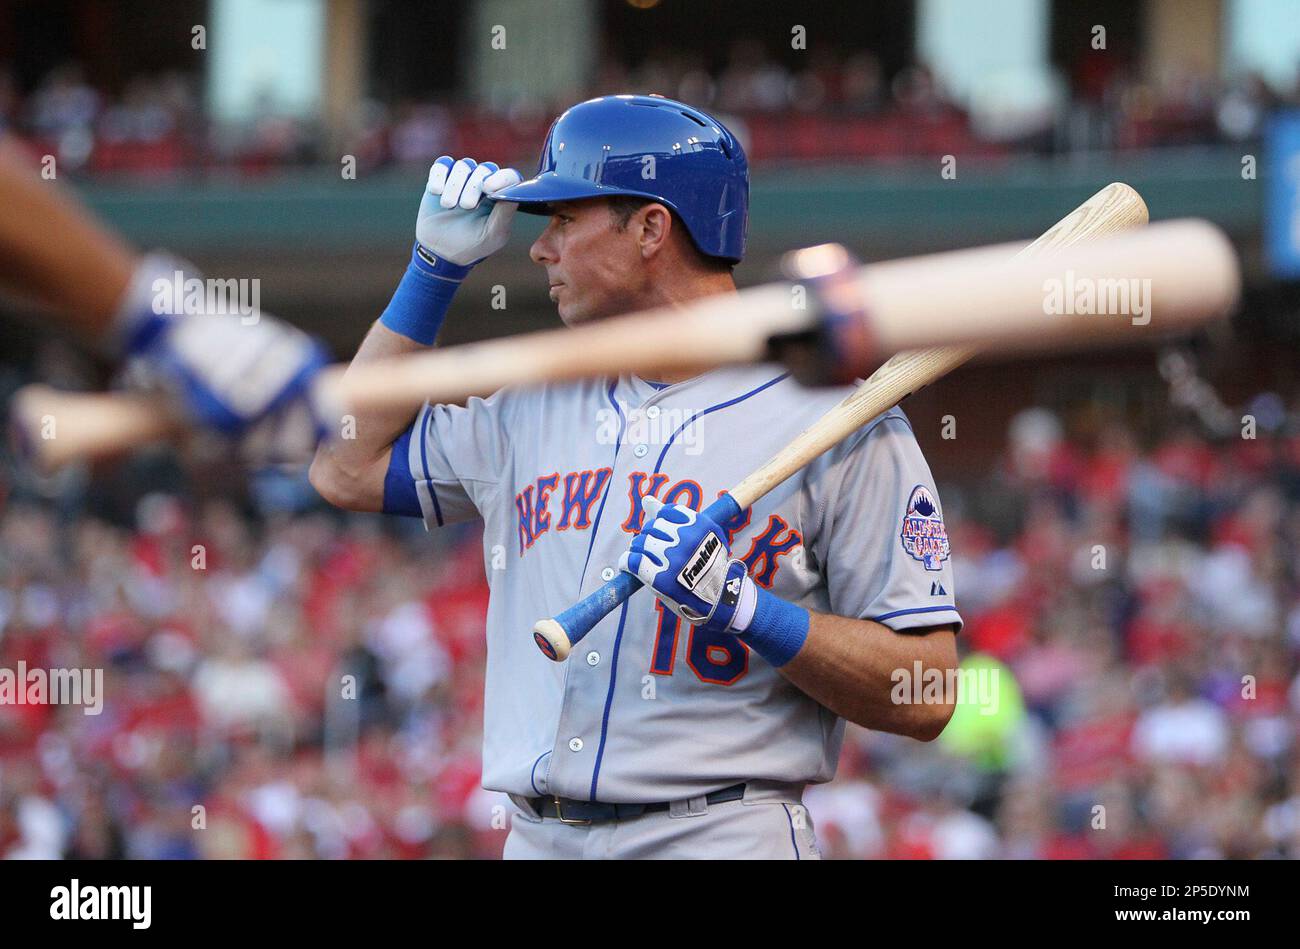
(640,450)
(575,744)
(653,411)
(608,574)
(593,658)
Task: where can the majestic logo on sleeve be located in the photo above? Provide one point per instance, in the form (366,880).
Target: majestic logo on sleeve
(924,537)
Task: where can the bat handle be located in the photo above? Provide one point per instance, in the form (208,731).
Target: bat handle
(556,637)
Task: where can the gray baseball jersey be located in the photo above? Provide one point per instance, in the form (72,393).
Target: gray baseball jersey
(648,708)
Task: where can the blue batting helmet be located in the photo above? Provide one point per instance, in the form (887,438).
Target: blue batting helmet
(653,148)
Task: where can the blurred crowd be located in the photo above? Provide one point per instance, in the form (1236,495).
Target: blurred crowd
(294,683)
(838,106)
(1143,609)
(294,686)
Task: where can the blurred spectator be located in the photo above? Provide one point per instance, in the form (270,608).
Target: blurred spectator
(63,103)
(421,131)
(751,80)
(1183,729)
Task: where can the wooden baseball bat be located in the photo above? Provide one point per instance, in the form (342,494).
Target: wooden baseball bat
(970,297)
(984,296)
(1115,208)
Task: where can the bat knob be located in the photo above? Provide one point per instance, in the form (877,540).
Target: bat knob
(552,640)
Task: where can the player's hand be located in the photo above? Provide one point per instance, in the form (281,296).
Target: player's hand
(458,219)
(684,557)
(247,377)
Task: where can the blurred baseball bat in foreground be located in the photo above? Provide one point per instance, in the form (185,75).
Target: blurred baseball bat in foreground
(1168,279)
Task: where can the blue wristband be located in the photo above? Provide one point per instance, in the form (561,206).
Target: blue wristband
(422,298)
(399,486)
(722,615)
(778,630)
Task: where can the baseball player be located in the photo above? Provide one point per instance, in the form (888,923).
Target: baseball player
(689,721)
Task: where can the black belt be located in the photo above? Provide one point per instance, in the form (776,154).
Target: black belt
(570,811)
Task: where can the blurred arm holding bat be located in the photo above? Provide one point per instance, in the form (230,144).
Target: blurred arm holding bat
(249,377)
(242,376)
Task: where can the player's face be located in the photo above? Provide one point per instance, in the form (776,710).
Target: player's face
(593,268)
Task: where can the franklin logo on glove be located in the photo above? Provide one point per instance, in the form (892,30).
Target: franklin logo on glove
(683,556)
(704,557)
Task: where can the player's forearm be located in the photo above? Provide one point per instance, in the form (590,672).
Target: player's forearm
(53,252)
(851,665)
(349,471)
(457,226)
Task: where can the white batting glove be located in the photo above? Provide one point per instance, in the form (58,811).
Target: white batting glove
(458,221)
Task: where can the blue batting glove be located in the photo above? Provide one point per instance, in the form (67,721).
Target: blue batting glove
(683,556)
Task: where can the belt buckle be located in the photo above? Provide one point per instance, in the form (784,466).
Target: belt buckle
(559,813)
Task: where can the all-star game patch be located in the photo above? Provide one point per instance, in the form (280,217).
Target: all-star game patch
(924,537)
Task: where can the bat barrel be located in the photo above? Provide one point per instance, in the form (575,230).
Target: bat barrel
(1130,287)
